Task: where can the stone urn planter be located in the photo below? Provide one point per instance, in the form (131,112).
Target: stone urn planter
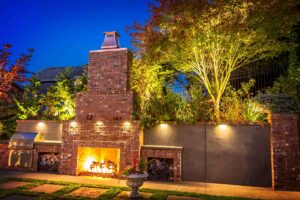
(134,181)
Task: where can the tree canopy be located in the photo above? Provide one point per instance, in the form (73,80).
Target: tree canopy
(11,73)
(211,39)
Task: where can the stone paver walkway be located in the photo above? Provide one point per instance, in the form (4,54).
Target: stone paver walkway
(197,187)
(12,184)
(46,188)
(88,192)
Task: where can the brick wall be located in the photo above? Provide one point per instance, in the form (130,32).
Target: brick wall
(285,152)
(165,152)
(110,135)
(108,96)
(4,154)
(103,113)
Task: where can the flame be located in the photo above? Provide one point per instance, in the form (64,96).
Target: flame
(88,166)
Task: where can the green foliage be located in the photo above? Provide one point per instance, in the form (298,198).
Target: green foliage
(31,101)
(80,84)
(143,165)
(277,103)
(59,100)
(8,112)
(253,112)
(157,109)
(290,82)
(238,106)
(180,107)
(8,127)
(217,38)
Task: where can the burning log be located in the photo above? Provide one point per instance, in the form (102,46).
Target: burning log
(103,168)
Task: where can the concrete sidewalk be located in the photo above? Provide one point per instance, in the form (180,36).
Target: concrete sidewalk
(196,187)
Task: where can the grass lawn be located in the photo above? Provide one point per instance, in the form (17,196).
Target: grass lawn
(110,192)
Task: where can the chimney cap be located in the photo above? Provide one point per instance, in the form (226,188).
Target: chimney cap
(111,40)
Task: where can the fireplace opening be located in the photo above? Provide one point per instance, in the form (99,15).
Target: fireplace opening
(161,169)
(103,162)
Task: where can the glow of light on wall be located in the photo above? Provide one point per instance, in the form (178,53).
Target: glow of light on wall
(223,131)
(41,124)
(99,123)
(73,124)
(163,125)
(223,126)
(127,125)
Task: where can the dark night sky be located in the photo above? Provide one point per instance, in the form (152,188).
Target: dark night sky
(62,32)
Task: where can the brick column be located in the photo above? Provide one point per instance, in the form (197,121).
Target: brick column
(4,154)
(285,154)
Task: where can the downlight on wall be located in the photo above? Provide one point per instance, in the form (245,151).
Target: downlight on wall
(41,124)
(223,131)
(163,125)
(126,126)
(223,126)
(72,127)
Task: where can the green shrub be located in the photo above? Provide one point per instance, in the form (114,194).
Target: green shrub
(238,106)
(277,103)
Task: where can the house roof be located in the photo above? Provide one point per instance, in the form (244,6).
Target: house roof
(50,74)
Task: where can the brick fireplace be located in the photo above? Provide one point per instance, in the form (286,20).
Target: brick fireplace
(103,133)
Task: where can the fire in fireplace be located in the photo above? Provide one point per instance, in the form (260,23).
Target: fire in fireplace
(104,167)
(98,161)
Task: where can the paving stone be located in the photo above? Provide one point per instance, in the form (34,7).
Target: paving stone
(12,184)
(88,192)
(124,195)
(46,188)
(19,197)
(174,197)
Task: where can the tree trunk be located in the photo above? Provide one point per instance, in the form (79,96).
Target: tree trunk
(217,109)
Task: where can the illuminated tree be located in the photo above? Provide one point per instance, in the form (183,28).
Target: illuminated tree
(11,74)
(59,100)
(30,103)
(214,38)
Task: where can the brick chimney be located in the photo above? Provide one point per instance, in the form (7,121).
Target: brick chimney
(108,96)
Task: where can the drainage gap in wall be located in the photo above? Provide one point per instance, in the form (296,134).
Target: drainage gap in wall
(161,169)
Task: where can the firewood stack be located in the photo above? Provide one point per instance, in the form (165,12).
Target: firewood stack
(48,162)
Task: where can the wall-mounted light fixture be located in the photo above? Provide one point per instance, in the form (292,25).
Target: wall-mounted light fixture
(163,125)
(72,128)
(73,125)
(126,127)
(41,124)
(41,127)
(222,126)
